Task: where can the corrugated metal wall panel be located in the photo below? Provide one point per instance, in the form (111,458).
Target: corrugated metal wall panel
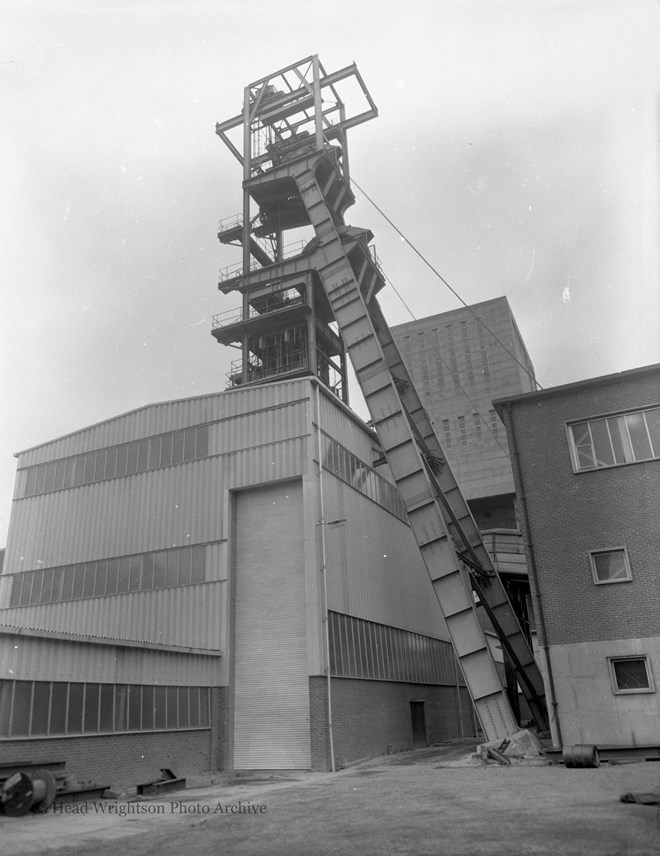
(167,416)
(271,676)
(375,570)
(188,616)
(153,510)
(30,659)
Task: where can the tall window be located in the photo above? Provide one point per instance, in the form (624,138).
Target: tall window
(614,440)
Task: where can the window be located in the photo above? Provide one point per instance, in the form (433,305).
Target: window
(462,430)
(187,444)
(614,440)
(631,675)
(610,566)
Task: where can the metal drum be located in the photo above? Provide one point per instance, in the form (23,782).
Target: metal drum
(584,755)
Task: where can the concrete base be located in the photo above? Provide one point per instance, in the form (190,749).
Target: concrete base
(524,743)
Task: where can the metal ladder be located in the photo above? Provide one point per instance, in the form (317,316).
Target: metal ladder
(449,541)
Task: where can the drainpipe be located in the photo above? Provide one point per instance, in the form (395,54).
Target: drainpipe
(326,634)
(511,434)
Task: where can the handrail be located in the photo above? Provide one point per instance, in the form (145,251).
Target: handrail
(235,270)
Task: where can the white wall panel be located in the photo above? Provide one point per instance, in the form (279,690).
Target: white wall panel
(187,616)
(30,659)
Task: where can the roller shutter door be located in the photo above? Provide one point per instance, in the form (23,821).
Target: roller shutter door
(271,684)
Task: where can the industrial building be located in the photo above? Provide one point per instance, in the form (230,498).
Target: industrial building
(186,587)
(586,460)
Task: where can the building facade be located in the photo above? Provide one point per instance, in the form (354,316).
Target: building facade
(185,587)
(587,470)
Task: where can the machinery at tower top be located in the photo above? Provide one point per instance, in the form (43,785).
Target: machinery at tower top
(285,326)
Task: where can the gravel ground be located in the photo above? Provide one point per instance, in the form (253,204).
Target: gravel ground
(439,800)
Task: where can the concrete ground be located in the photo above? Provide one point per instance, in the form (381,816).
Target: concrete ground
(433,801)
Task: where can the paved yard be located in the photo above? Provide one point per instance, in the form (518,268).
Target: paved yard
(425,802)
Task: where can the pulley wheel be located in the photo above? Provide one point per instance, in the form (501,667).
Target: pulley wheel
(44,791)
(17,795)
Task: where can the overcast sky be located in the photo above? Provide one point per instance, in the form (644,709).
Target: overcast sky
(516,147)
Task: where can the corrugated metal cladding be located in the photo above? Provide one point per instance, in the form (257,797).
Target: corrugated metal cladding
(346,430)
(189,616)
(153,510)
(271,683)
(374,568)
(167,416)
(31,659)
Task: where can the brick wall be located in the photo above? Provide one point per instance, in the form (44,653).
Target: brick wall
(573,513)
(370,716)
(122,761)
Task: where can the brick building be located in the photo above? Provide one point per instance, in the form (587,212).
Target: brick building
(587,470)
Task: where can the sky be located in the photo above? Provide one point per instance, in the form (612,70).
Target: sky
(516,148)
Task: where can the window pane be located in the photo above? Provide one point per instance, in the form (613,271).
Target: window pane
(602,445)
(40,478)
(147,571)
(37,579)
(172,707)
(638,436)
(79,476)
(101,576)
(70,473)
(147,708)
(74,718)
(653,424)
(78,581)
(189,444)
(6,690)
(136,573)
(58,579)
(131,465)
(134,708)
(198,574)
(112,580)
(16,583)
(121,707)
(631,674)
(26,590)
(177,447)
(160,567)
(30,481)
(40,703)
(143,456)
(47,586)
(90,466)
(183,707)
(91,721)
(204,707)
(185,565)
(122,458)
(107,707)
(160,709)
(99,471)
(50,476)
(67,582)
(124,575)
(610,566)
(193,695)
(90,579)
(154,453)
(172,573)
(111,462)
(21,716)
(202,448)
(60,472)
(166,450)
(58,708)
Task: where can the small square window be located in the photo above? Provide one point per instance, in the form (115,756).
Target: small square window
(610,566)
(631,675)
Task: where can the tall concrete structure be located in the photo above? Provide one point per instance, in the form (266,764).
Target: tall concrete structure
(586,462)
(459,367)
